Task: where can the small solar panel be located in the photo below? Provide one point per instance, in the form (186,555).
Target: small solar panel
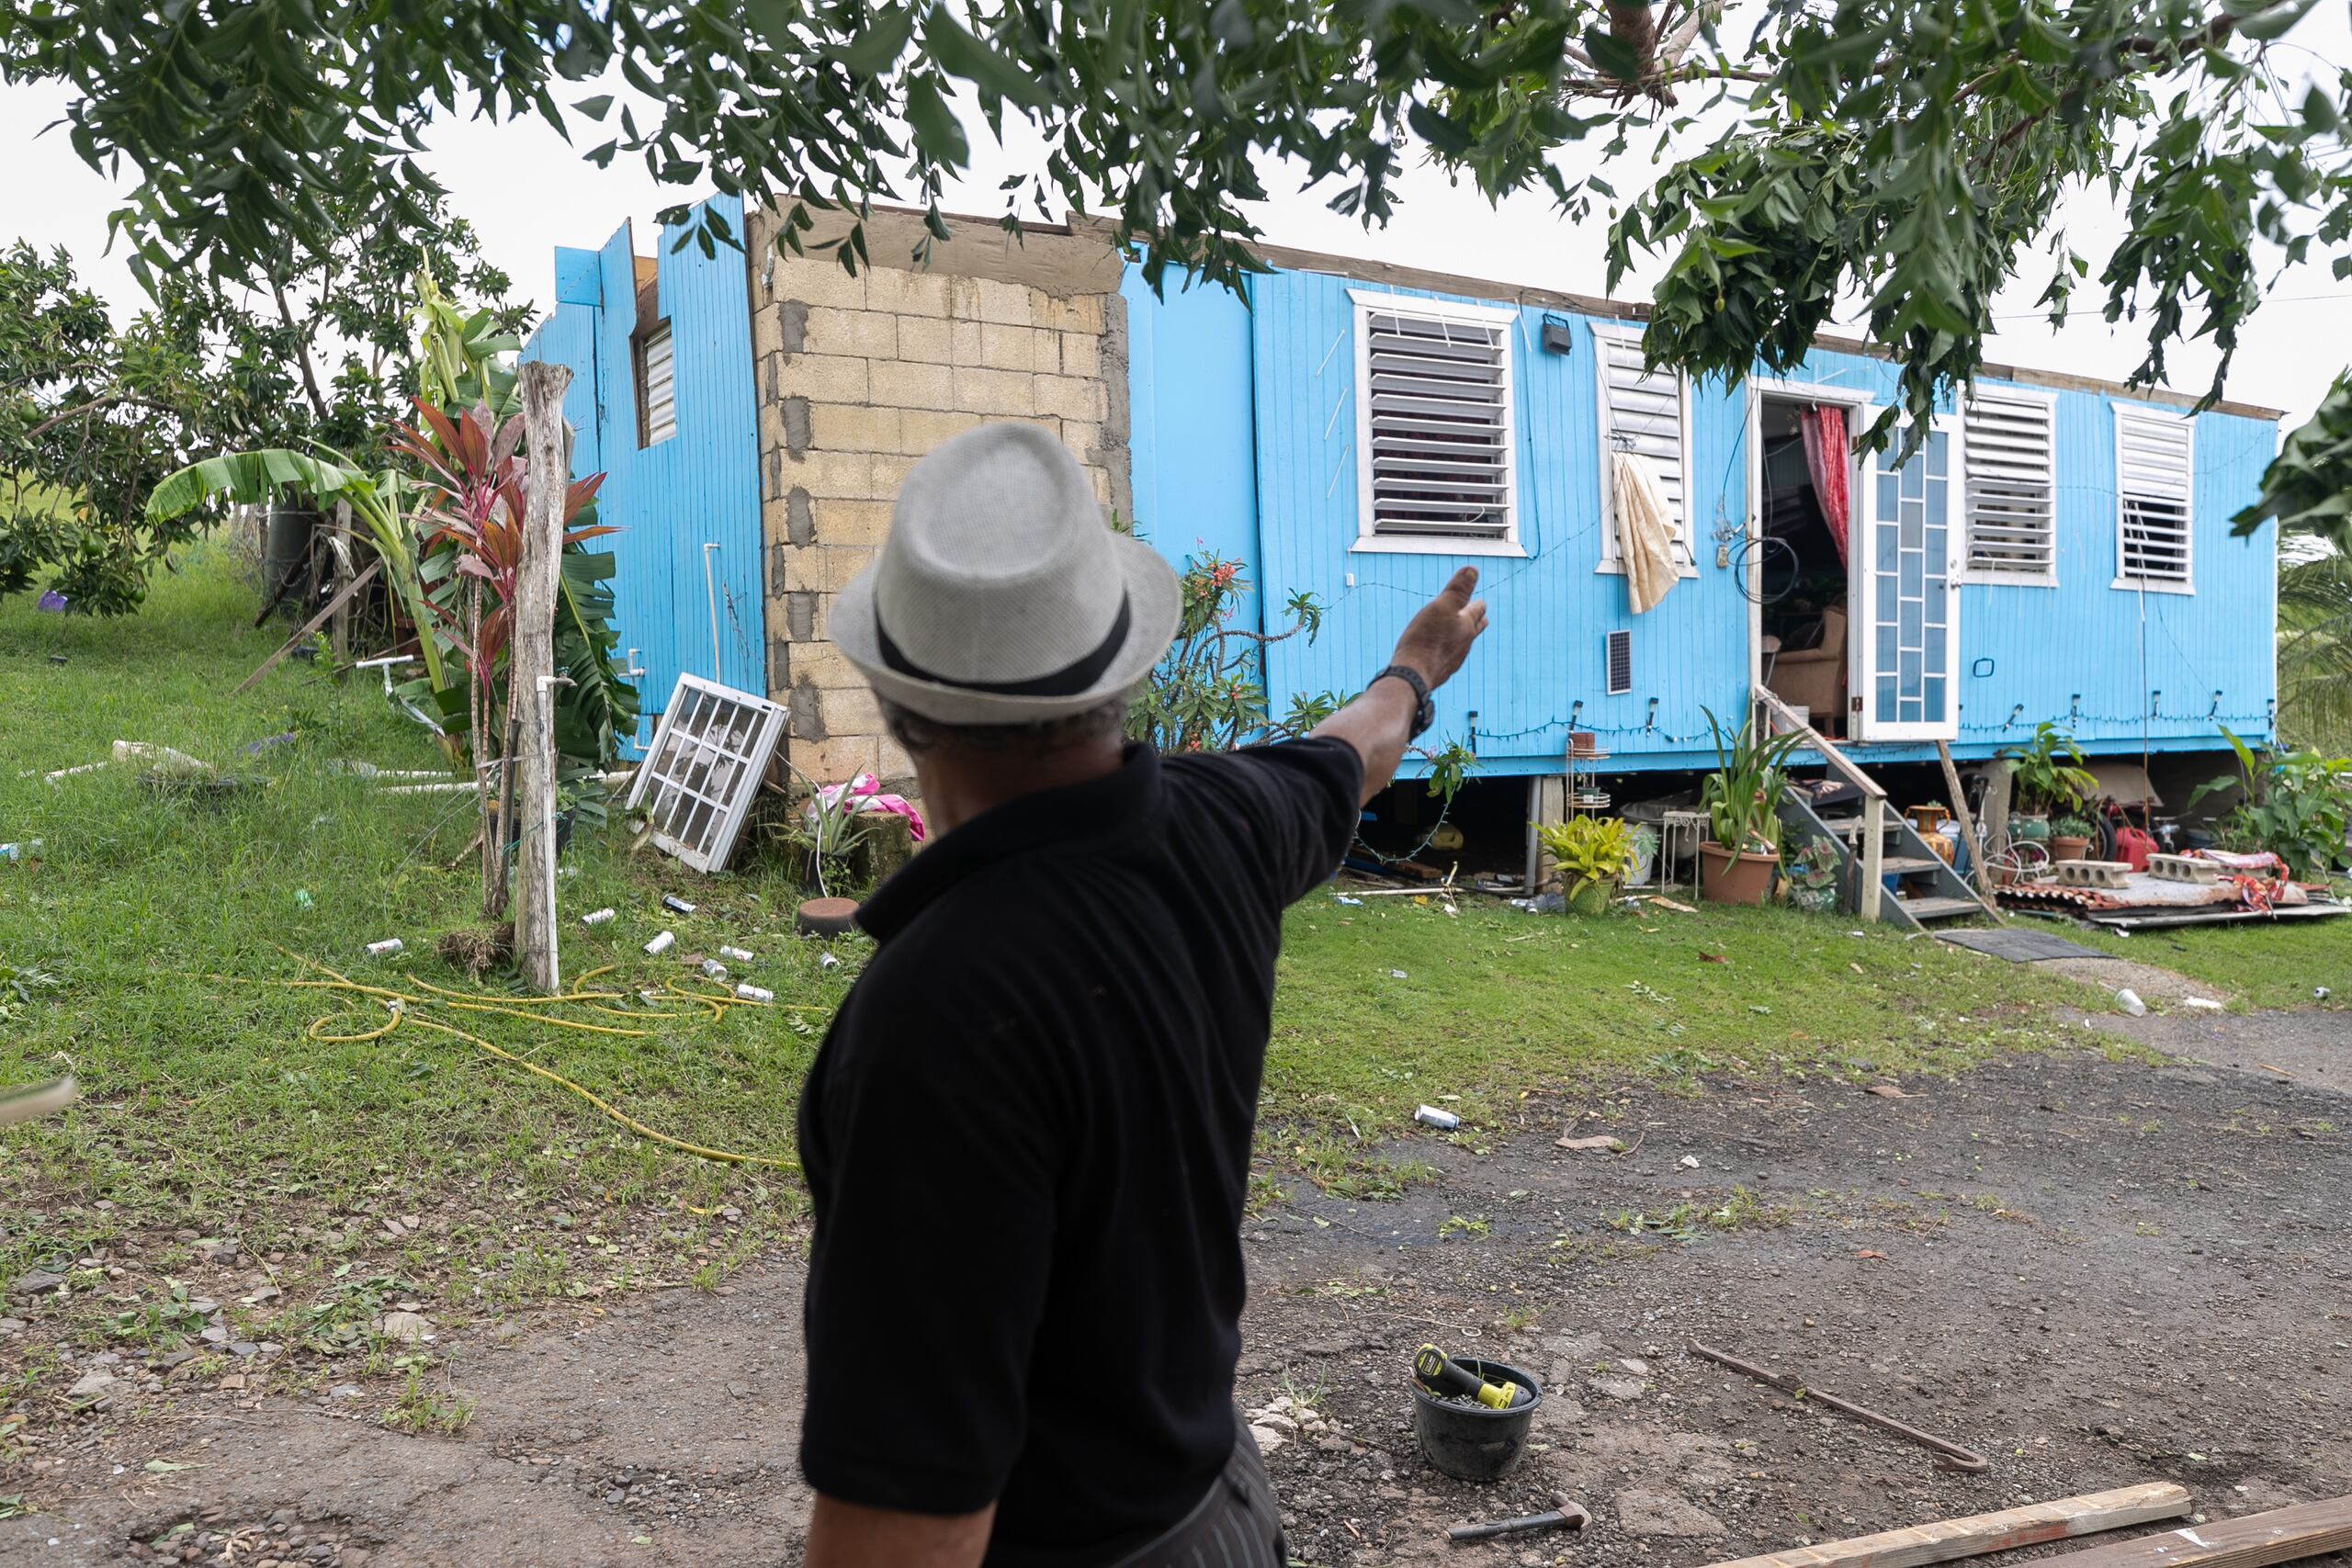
(1619,650)
(697,783)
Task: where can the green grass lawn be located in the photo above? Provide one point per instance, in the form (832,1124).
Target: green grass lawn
(2263,966)
(148,939)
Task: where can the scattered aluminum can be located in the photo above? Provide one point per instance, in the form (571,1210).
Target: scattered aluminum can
(1444,1121)
(661,944)
(30,849)
(714,969)
(739,954)
(751,993)
(384,949)
(597,917)
(1345,902)
(676,905)
(827,961)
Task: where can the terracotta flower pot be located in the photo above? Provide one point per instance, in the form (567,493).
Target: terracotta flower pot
(2069,848)
(1729,876)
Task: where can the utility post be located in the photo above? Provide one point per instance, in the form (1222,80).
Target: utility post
(541,387)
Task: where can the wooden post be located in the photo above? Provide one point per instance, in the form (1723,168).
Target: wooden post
(532,640)
(339,627)
(1996,807)
(1873,848)
(1976,851)
(1548,808)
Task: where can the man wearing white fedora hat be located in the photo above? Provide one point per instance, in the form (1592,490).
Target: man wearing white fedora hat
(1027,1134)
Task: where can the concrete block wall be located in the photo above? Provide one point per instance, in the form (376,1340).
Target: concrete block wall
(860,376)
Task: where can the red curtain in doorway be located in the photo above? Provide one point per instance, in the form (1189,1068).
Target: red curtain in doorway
(1826,453)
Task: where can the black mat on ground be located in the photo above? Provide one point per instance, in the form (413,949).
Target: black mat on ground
(2020,946)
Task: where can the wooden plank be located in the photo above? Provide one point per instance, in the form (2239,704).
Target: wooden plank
(1967,831)
(2251,1541)
(339,542)
(1950,1538)
(310,626)
(540,387)
(1836,760)
(1873,848)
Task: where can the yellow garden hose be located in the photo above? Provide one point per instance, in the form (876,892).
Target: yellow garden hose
(404,1005)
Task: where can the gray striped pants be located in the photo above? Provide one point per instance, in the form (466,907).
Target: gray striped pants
(1236,1525)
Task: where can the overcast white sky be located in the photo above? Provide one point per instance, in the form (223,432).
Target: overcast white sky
(526,192)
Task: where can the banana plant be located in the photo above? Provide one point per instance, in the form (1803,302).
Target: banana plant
(379,503)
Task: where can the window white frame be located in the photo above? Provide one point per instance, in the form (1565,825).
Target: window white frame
(1369,303)
(656,366)
(2001,577)
(1685,550)
(2157,423)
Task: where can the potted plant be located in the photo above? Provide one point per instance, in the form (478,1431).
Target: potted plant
(2047,778)
(1742,799)
(2071,838)
(1595,855)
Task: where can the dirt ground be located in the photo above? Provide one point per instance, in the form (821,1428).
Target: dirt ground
(2092,1271)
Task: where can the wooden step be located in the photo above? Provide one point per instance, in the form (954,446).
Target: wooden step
(1941,909)
(1907,866)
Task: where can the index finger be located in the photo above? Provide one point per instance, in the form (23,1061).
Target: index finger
(1457,589)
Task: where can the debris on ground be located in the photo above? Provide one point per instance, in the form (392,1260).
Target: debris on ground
(661,944)
(1444,1121)
(477,950)
(2127,1001)
(389,947)
(1599,1141)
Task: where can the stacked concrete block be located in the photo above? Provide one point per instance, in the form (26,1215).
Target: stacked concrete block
(861,375)
(2183,868)
(2099,874)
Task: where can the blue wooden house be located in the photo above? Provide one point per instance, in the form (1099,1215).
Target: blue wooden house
(2058,549)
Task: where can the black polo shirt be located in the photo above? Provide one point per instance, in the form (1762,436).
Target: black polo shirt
(1027,1139)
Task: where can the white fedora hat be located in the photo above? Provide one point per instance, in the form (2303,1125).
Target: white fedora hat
(1000,596)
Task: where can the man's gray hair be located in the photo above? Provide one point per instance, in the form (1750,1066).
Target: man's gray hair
(918,734)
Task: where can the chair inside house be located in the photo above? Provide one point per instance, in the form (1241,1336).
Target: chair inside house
(1802,578)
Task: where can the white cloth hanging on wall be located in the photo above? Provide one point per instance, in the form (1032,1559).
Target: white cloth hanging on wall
(1645,531)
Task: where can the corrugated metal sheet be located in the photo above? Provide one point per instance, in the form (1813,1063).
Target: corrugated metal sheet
(699,487)
(2121,669)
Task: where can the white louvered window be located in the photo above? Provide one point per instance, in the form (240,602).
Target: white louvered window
(2155,468)
(2011,439)
(1648,415)
(1435,449)
(657,399)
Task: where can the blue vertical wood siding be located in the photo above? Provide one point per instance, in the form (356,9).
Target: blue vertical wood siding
(700,486)
(2119,668)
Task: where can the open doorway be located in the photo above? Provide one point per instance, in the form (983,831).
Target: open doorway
(1801,581)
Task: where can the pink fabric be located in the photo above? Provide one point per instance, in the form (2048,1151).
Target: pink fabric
(866,790)
(1824,430)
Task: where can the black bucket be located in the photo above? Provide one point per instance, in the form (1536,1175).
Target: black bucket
(1466,1440)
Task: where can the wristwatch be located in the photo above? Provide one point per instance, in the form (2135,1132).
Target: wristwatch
(1424,709)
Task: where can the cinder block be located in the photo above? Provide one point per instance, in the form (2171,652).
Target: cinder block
(897,769)
(842,563)
(2183,868)
(1081,353)
(851,710)
(1083,438)
(808,709)
(964,339)
(1101,480)
(929,340)
(889,474)
(845,427)
(919,430)
(767,337)
(1006,304)
(849,475)
(837,759)
(2099,874)
(964,298)
(818,280)
(1067,397)
(903,383)
(823,664)
(1018,348)
(858,335)
(906,293)
(861,525)
(1079,313)
(994,391)
(822,378)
